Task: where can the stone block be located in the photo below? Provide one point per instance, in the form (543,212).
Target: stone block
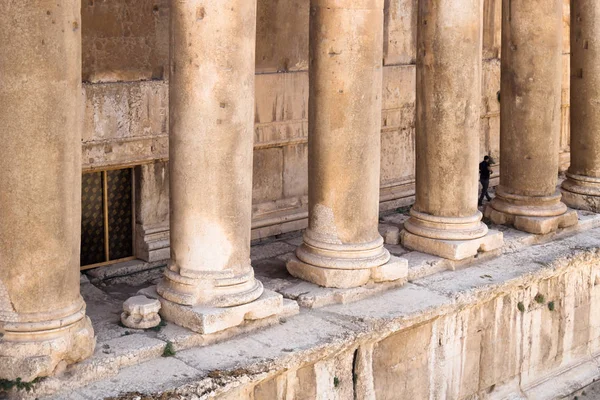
(295,170)
(124,41)
(395,269)
(536,225)
(401,364)
(207,320)
(267,182)
(453,249)
(492,24)
(390,233)
(400,32)
(140,312)
(282,36)
(125,123)
(581,201)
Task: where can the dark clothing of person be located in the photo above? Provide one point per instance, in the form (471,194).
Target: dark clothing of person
(484,170)
(484,178)
(484,191)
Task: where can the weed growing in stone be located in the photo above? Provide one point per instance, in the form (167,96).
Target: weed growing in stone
(160,325)
(19,384)
(336,381)
(403,210)
(169,350)
(539,298)
(551,306)
(521,306)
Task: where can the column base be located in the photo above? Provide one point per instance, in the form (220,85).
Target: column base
(395,269)
(455,250)
(581,192)
(29,355)
(206,319)
(580,201)
(531,224)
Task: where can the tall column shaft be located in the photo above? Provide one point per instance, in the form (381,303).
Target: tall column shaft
(210,153)
(582,188)
(42,314)
(449,42)
(530,117)
(342,242)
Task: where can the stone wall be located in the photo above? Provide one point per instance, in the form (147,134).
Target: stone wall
(537,337)
(125,59)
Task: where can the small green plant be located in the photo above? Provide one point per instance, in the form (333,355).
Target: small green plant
(336,381)
(160,325)
(19,384)
(539,298)
(551,306)
(169,350)
(403,210)
(521,306)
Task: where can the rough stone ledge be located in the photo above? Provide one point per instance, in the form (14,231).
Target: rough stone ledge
(317,334)
(272,271)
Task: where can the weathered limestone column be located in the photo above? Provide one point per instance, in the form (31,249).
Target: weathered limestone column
(342,246)
(445,220)
(530,118)
(209,284)
(581,189)
(43,325)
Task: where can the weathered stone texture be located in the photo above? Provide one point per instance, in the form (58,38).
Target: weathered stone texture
(126,123)
(282,36)
(124,40)
(504,341)
(400,32)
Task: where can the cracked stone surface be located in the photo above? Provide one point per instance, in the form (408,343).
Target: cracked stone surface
(436,291)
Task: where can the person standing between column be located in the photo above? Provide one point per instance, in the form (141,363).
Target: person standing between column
(485,170)
(444,219)
(531,76)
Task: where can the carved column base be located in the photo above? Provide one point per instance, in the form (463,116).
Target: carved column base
(212,301)
(534,214)
(209,288)
(330,263)
(393,270)
(581,192)
(36,349)
(455,250)
(206,319)
(453,238)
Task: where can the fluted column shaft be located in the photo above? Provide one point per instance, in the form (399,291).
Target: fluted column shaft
(342,242)
(530,117)
(210,148)
(42,314)
(582,188)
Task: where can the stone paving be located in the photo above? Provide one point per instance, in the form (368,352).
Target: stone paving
(124,349)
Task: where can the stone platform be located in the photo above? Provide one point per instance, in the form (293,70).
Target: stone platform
(489,328)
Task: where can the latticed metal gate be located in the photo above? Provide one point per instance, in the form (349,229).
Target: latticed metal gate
(108,218)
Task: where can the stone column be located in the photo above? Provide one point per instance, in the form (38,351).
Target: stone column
(530,118)
(43,325)
(581,189)
(210,151)
(445,220)
(342,246)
